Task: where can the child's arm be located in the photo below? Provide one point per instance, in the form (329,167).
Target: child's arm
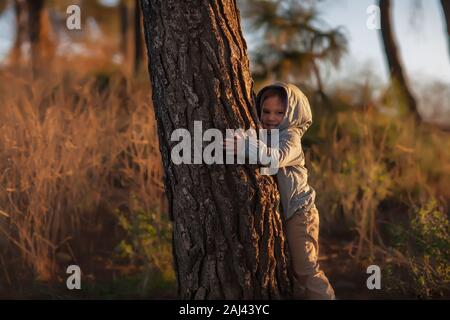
(288,150)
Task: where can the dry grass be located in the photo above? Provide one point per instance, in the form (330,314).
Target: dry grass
(374,175)
(78,146)
(71,143)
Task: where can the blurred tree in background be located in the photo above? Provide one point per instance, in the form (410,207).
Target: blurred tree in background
(42,47)
(21,26)
(446,9)
(33,27)
(400,89)
(41,30)
(79,140)
(293,43)
(131,33)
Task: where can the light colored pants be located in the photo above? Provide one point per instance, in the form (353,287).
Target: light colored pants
(302,232)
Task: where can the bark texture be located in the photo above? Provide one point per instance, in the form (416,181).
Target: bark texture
(228,238)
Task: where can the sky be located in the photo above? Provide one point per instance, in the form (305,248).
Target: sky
(7,31)
(421,37)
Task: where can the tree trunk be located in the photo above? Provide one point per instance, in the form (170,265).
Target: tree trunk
(398,79)
(446,9)
(34,29)
(123,13)
(131,35)
(228,239)
(21,27)
(125,34)
(138,37)
(39,29)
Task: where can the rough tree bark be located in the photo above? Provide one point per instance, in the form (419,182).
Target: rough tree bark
(228,239)
(398,78)
(446,9)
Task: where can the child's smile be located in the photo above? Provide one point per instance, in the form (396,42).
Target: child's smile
(272,112)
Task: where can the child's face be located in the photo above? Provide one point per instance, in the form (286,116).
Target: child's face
(272,112)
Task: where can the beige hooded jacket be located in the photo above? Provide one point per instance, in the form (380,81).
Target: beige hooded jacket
(292,176)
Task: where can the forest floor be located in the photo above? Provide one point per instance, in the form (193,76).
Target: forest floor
(105,277)
(347,277)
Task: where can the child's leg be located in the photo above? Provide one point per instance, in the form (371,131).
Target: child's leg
(302,231)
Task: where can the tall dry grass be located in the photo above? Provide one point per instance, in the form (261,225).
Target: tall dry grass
(72,144)
(78,146)
(367,166)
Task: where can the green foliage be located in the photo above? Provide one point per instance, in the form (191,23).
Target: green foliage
(430,267)
(147,240)
(431,228)
(424,269)
(157,286)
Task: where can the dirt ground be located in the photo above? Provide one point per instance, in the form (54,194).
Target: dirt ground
(348,278)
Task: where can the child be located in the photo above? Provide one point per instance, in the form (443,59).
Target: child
(284,107)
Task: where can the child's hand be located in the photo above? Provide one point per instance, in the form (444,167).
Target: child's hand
(235,145)
(229,145)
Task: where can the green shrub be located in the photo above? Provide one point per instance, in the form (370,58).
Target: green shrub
(424,269)
(147,241)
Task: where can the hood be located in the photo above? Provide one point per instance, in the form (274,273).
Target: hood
(298,112)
